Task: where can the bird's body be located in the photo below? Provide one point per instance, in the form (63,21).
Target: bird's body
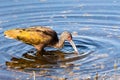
(38,36)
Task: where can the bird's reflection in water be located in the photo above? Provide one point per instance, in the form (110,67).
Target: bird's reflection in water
(30,60)
(50,59)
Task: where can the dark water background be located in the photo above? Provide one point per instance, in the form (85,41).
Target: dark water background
(95,25)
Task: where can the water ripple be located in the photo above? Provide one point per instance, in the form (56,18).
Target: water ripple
(94,25)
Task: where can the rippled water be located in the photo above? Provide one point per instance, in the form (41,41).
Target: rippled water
(95,27)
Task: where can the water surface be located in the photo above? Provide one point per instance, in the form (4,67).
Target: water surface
(94,25)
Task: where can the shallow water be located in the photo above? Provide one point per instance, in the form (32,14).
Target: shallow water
(95,27)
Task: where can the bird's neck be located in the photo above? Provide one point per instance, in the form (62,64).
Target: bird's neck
(59,44)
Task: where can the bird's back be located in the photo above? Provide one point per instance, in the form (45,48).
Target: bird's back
(34,35)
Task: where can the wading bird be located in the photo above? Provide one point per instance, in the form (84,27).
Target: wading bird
(40,37)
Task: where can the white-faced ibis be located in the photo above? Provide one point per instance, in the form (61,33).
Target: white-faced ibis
(40,37)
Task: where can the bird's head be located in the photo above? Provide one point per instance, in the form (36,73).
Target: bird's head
(68,36)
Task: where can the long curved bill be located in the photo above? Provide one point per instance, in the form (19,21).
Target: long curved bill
(74,47)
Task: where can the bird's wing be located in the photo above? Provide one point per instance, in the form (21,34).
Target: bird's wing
(32,35)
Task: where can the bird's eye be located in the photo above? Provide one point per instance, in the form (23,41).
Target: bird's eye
(69,38)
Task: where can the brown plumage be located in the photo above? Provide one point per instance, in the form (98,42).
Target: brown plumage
(40,37)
